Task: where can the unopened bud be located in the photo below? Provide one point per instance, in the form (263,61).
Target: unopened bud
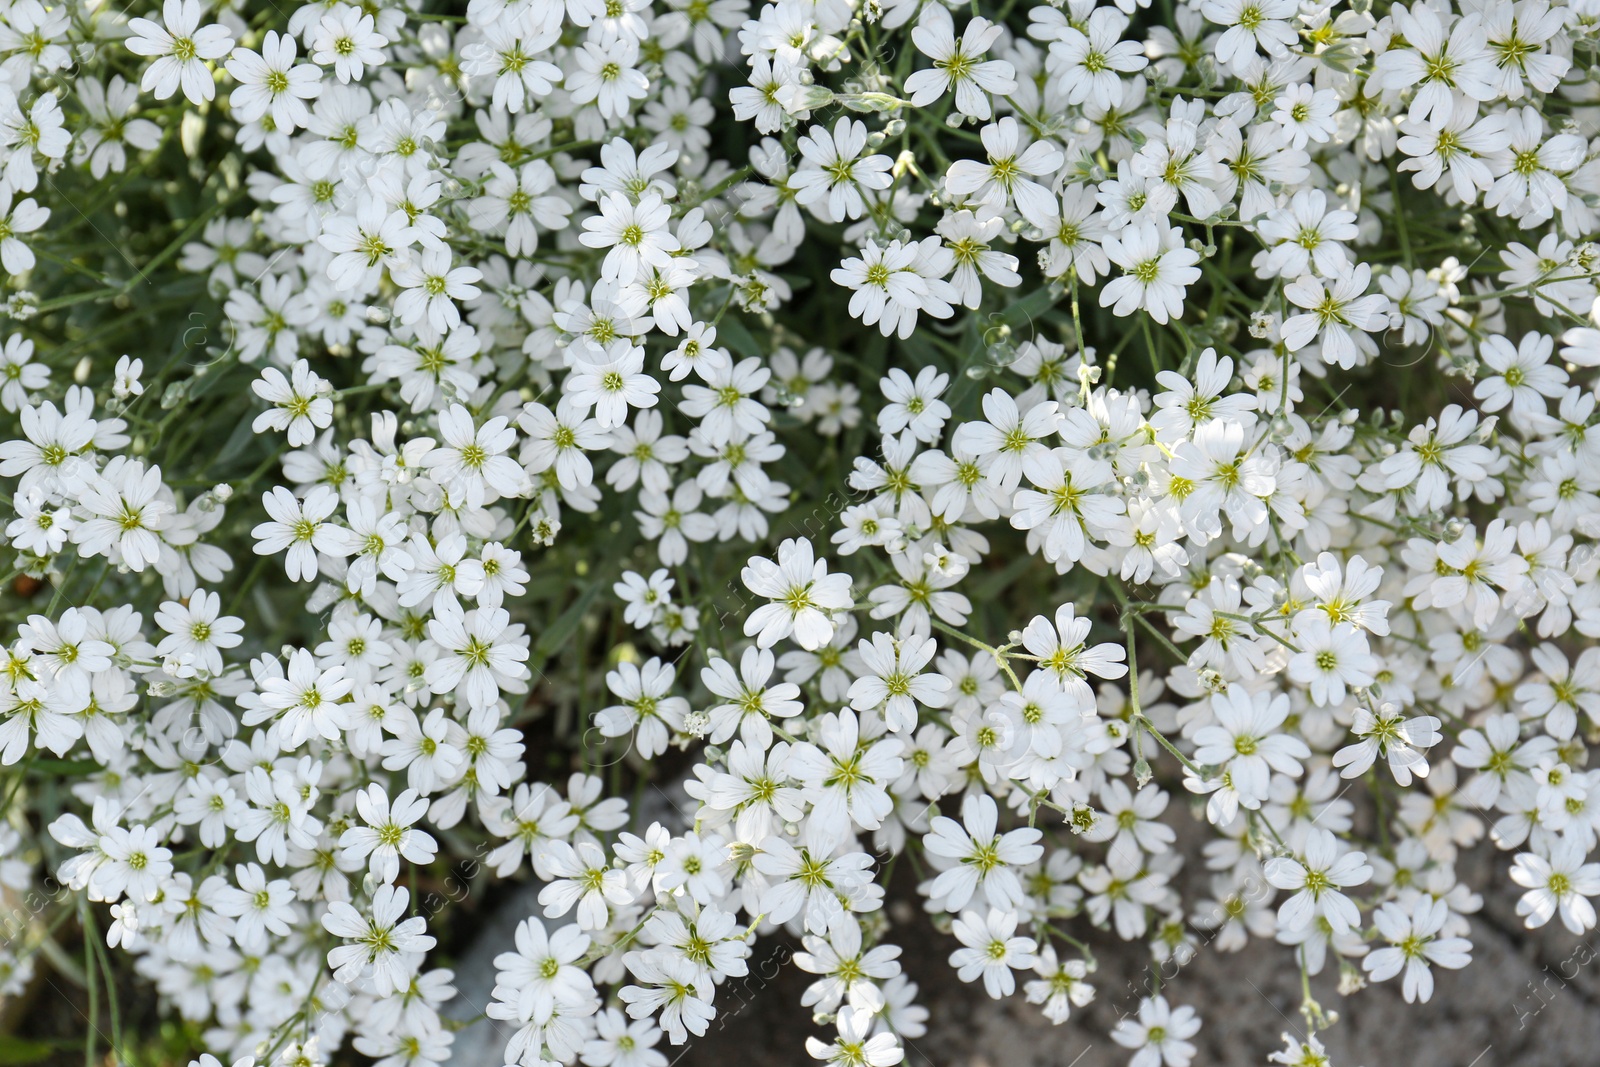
(805,98)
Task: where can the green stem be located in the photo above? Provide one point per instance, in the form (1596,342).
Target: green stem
(999,654)
(92,981)
(1141,721)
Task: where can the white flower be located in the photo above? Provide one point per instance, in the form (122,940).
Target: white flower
(914,405)
(1331,658)
(257,907)
(19,374)
(506,53)
(15,256)
(1159,1034)
(346,38)
(804,596)
(181,48)
(1341,593)
(39,32)
(557,441)
(1521,377)
(607,76)
(1246,741)
(672,990)
(644,597)
(390,834)
(271,83)
(1433,453)
(1388,732)
(42,714)
(636,234)
(134,864)
(375,238)
(302,403)
(300,526)
(991,950)
(1157,270)
(1306,114)
(541,970)
(1252,25)
(894,682)
(380,942)
(1063,652)
(1528,182)
(958,64)
(1415,945)
(124,514)
(1456,143)
(726,404)
(809,881)
(1434,64)
(761,100)
(1060,986)
(748,701)
(431,287)
(646,706)
(1316,879)
(846,776)
(1560,883)
(307,700)
(979,860)
(833,173)
(33,134)
(611,381)
(1091,61)
(857,1045)
(126,378)
(472,458)
(582,876)
(1339,313)
(890,289)
(847,971)
(197,629)
(483,654)
(1131,819)
(1306,237)
(620,1043)
(968,235)
(1309,1052)
(514,200)
(1010,174)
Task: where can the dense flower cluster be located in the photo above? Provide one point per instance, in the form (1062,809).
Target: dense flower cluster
(1219,424)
